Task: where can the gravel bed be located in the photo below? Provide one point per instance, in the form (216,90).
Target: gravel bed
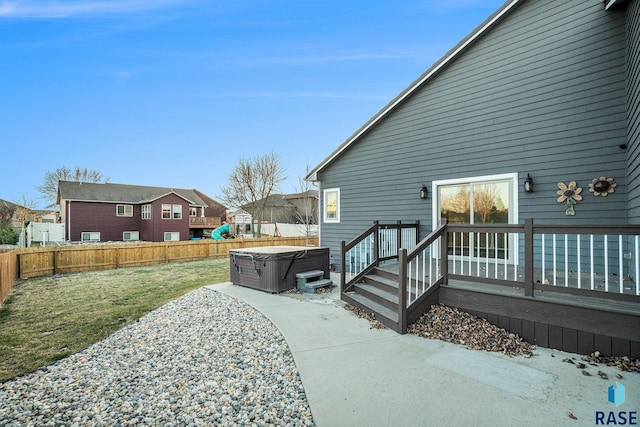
(203,359)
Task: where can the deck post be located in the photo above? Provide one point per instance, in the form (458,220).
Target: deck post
(528,257)
(444,255)
(376,244)
(398,237)
(402,291)
(343,267)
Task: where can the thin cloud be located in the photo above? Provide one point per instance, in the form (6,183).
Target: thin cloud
(50,9)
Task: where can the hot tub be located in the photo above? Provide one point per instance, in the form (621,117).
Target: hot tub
(273,268)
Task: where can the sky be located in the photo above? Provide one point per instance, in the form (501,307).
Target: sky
(173,93)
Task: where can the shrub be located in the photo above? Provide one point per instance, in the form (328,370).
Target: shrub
(7,235)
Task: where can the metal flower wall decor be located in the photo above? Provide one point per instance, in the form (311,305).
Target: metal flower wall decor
(569,195)
(602,186)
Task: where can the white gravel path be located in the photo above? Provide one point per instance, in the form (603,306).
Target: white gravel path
(203,359)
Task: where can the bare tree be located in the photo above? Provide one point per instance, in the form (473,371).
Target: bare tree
(49,188)
(308,207)
(251,182)
(24,212)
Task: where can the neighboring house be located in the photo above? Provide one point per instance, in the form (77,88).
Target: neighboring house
(117,212)
(241,222)
(503,151)
(293,208)
(16,213)
(542,89)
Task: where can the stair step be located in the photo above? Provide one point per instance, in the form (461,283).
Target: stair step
(383,314)
(310,274)
(381,282)
(310,287)
(381,296)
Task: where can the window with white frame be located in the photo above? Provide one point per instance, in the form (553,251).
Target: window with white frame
(488,199)
(146,211)
(331,201)
(90,236)
(193,211)
(171,236)
(124,210)
(171,211)
(166,211)
(130,235)
(177,211)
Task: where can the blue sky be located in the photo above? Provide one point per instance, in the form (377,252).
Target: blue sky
(173,92)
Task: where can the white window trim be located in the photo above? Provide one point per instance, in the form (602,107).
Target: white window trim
(176,209)
(513,202)
(172,234)
(137,234)
(146,212)
(324,205)
(125,210)
(94,236)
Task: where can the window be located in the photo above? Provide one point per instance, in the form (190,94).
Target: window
(166,211)
(171,211)
(124,210)
(332,205)
(90,236)
(479,200)
(171,236)
(130,235)
(146,211)
(193,211)
(177,211)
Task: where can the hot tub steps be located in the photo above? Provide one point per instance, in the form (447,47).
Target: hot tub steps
(309,281)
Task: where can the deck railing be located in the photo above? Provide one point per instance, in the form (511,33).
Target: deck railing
(379,243)
(585,260)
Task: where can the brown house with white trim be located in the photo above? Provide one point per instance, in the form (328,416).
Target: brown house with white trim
(118,212)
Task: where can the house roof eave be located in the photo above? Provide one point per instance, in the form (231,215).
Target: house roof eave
(452,54)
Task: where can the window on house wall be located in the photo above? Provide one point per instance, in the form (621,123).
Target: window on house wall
(146,211)
(131,235)
(90,236)
(124,210)
(331,201)
(193,211)
(177,211)
(166,211)
(479,200)
(171,236)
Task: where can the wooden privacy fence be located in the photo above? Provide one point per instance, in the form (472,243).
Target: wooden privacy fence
(8,272)
(44,261)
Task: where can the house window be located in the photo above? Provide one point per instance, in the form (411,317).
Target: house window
(166,211)
(171,236)
(130,235)
(177,211)
(146,211)
(171,211)
(90,236)
(332,205)
(124,210)
(193,211)
(479,200)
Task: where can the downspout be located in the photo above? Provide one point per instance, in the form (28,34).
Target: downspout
(68,220)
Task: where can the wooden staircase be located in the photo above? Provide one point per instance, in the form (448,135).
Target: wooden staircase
(377,293)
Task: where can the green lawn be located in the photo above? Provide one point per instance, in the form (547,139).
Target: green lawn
(48,318)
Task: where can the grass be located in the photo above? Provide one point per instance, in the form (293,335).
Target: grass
(45,319)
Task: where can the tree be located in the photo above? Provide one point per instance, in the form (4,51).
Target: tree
(49,188)
(307,209)
(251,182)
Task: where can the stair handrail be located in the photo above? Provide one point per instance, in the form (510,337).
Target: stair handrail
(405,257)
(352,243)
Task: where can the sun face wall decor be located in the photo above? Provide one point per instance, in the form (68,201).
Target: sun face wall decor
(602,186)
(569,195)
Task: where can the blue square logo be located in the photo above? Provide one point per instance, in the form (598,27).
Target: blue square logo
(616,394)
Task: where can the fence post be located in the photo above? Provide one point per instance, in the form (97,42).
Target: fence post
(376,245)
(402,291)
(528,257)
(398,237)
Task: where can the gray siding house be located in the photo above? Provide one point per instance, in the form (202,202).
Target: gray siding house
(542,89)
(504,181)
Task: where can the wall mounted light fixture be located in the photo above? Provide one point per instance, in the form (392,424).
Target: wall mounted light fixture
(423,192)
(528,184)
